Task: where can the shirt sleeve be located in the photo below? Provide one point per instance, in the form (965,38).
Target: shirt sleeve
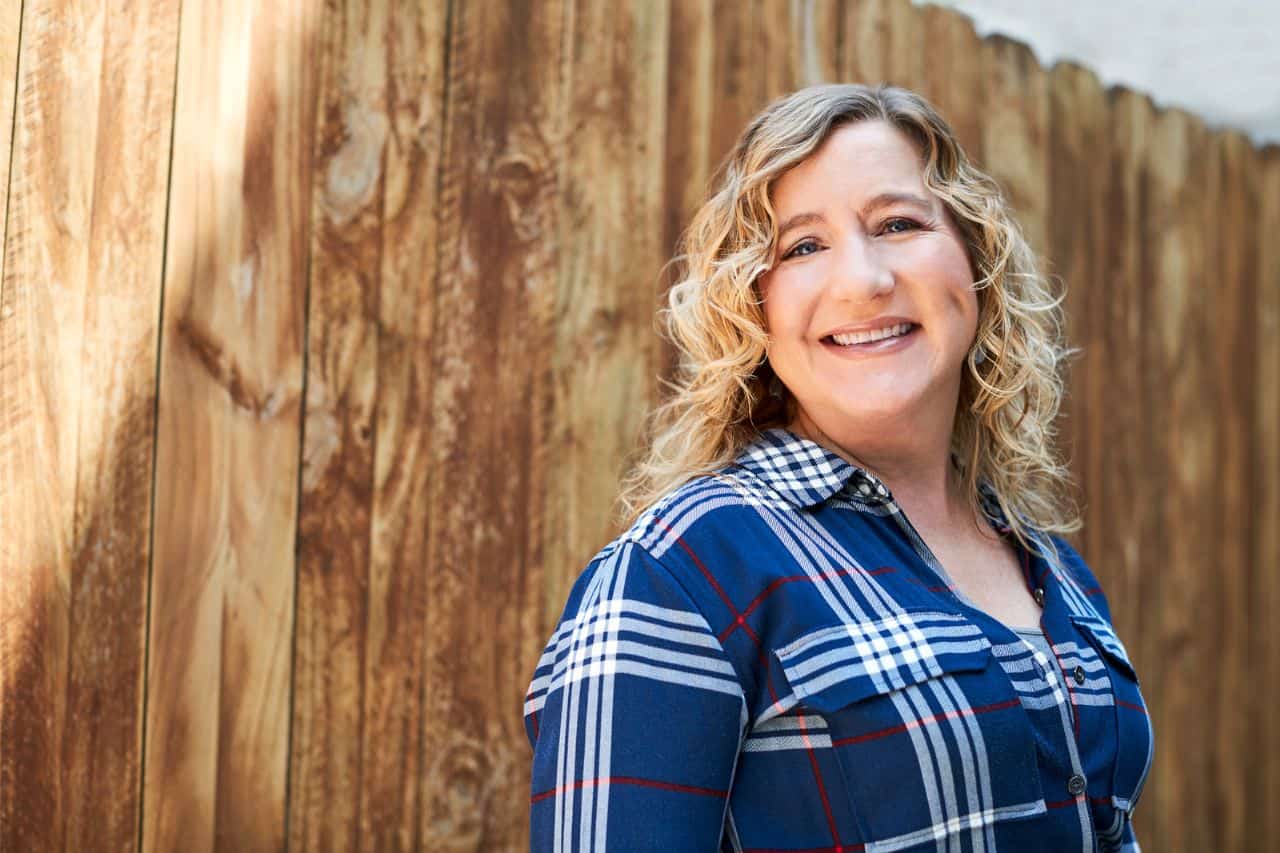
(635,714)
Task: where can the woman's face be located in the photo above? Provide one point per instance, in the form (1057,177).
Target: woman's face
(864,249)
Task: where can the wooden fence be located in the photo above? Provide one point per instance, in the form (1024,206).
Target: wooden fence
(325,329)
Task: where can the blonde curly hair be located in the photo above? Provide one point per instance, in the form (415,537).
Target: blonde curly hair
(718,400)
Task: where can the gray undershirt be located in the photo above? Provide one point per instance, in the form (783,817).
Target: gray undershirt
(1037,638)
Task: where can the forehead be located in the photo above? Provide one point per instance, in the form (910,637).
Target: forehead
(856,161)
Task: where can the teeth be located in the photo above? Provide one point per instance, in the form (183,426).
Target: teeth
(868,337)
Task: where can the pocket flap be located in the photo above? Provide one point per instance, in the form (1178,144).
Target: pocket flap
(836,666)
(1103,638)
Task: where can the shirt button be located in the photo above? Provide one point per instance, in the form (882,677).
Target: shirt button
(1078,675)
(1038,595)
(1076,785)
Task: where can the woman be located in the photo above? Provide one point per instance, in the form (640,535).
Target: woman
(846,618)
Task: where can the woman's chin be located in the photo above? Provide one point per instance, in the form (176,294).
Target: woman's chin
(844,415)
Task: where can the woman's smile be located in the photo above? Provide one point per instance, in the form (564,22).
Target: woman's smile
(881,342)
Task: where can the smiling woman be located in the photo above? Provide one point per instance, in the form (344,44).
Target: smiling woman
(843,616)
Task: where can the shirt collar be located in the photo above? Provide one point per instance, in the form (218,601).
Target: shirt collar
(804,472)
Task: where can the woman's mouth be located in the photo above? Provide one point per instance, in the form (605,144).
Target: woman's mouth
(888,339)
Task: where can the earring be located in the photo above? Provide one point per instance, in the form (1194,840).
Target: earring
(775,387)
(980,356)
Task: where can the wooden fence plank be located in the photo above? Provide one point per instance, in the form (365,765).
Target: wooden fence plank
(1179,198)
(1120,304)
(1264,775)
(690,161)
(605,356)
(1079,223)
(883,41)
(78,342)
(102,759)
(1132,487)
(354,777)
(798,38)
(391,786)
(41,326)
(1230,352)
(1015,132)
(953,73)
(506,139)
(691,99)
(334,521)
(228,438)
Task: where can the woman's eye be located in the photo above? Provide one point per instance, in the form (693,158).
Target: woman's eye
(801,249)
(890,226)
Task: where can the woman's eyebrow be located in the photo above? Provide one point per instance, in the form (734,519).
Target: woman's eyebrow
(798,220)
(874,203)
(886,199)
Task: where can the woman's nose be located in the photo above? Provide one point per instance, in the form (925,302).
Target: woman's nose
(861,273)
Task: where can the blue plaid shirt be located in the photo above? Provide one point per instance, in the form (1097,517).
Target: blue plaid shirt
(770,659)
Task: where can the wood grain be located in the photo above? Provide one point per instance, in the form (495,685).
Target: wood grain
(882,41)
(1180,197)
(1231,354)
(78,337)
(116,425)
(604,359)
(335,509)
(692,98)
(1264,598)
(953,73)
(1124,430)
(357,690)
(1015,132)
(507,142)
(813,30)
(740,81)
(45,273)
(798,38)
(1138,442)
(228,450)
(394,691)
(1080,224)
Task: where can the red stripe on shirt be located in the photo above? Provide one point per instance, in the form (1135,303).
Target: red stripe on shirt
(630,780)
(913,724)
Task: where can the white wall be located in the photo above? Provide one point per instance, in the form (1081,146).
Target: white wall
(1219,59)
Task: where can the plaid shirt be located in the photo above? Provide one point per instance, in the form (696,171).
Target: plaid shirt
(771,659)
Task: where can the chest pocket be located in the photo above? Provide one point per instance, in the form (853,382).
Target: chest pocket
(928,731)
(1135,739)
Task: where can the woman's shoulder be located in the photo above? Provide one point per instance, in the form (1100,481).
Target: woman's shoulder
(719,503)
(1072,568)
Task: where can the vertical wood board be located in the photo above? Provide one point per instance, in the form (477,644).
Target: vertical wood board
(228,435)
(493,326)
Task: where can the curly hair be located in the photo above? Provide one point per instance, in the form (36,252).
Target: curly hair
(717,401)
